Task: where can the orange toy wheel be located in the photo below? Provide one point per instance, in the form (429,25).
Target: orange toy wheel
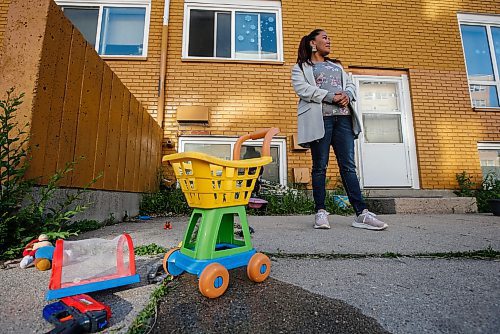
(258,267)
(214,280)
(165,260)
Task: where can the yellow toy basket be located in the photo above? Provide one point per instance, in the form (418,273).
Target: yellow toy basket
(209,182)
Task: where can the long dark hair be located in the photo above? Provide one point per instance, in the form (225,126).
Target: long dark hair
(305,50)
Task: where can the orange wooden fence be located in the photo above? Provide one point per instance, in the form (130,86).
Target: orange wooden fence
(78,109)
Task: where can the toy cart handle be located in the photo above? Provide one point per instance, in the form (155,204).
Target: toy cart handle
(267,134)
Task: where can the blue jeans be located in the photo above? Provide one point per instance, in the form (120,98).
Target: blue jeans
(339,135)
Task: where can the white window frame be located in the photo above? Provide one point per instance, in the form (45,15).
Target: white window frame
(115,3)
(280,143)
(486,21)
(233,6)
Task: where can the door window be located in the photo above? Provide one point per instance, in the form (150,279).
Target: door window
(379,105)
(379,128)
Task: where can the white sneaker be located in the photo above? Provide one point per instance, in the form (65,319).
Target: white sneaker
(321,220)
(26,261)
(368,221)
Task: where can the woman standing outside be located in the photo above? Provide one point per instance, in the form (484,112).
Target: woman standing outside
(327,117)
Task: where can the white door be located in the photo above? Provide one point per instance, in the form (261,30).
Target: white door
(386,148)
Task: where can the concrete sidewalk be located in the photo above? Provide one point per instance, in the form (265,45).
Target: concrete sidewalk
(407,234)
(405,295)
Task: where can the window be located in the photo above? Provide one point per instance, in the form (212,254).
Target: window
(115,29)
(481,44)
(489,156)
(239,30)
(222,147)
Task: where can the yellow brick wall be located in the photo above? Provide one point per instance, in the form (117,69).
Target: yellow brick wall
(419,36)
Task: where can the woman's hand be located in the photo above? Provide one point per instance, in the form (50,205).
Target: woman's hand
(341,99)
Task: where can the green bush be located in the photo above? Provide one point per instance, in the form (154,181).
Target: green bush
(24,212)
(165,202)
(281,201)
(488,189)
(465,185)
(14,162)
(288,201)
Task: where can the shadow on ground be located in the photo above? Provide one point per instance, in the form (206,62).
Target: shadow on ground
(247,307)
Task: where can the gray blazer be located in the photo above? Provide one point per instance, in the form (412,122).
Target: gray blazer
(310,125)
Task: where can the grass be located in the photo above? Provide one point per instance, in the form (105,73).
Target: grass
(482,254)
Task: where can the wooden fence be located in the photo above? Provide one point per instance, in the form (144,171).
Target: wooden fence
(77,108)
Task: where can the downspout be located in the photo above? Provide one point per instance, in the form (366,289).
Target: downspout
(163,66)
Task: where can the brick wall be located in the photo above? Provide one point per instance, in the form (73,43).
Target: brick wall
(422,37)
(419,36)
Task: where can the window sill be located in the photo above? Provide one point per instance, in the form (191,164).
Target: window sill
(142,58)
(496,109)
(243,61)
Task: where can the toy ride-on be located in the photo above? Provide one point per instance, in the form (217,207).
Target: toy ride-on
(218,191)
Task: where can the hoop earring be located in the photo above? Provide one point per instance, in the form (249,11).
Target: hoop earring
(314,49)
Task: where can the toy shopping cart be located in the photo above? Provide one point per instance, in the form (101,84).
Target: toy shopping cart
(218,191)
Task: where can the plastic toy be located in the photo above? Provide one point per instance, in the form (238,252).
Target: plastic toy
(77,314)
(256,203)
(90,265)
(43,257)
(39,252)
(218,190)
(342,201)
